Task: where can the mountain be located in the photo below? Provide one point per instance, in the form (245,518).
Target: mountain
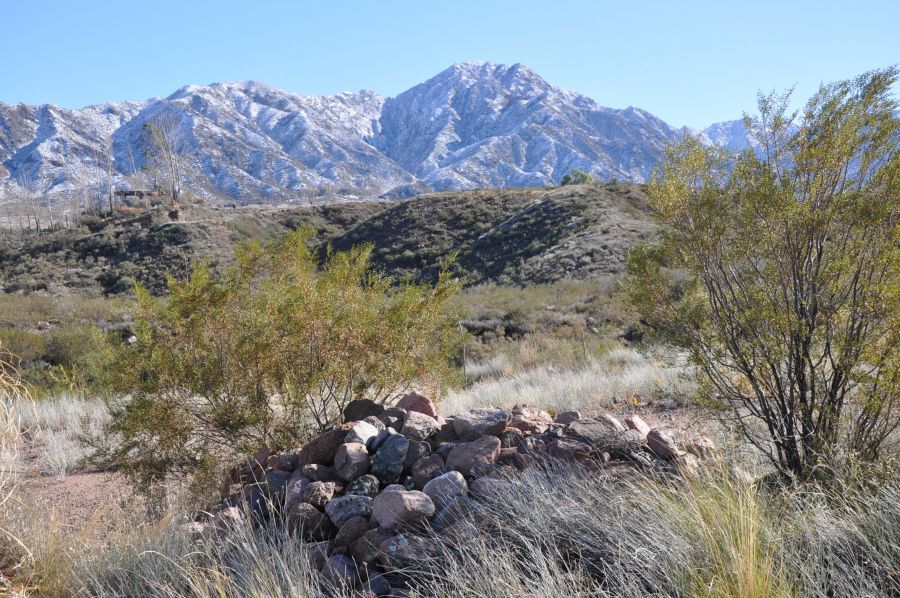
(473,125)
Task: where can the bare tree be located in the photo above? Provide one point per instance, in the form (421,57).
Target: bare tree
(163,130)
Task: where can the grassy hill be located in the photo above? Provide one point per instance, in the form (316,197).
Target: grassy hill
(502,236)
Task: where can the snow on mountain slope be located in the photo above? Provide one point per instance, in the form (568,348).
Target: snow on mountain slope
(473,125)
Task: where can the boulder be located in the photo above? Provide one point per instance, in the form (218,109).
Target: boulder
(318,494)
(295,489)
(366,485)
(417,403)
(425,469)
(362,432)
(367,549)
(446,433)
(568,449)
(342,508)
(393,418)
(418,426)
(389,461)
(663,445)
(379,425)
(383,435)
(612,421)
(408,549)
(452,512)
(567,417)
(530,420)
(352,530)
(417,450)
(317,554)
(309,523)
(340,571)
(276,484)
(360,409)
(322,448)
(401,508)
(465,457)
(446,489)
(284,461)
(511,438)
(320,473)
(481,422)
(351,461)
(636,422)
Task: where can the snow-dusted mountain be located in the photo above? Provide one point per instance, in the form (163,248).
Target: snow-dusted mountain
(473,125)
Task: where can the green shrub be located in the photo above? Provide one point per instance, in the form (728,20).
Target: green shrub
(268,352)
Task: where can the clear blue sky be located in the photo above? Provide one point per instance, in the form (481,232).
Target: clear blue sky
(691,63)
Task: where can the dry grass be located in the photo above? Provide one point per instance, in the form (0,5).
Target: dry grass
(620,375)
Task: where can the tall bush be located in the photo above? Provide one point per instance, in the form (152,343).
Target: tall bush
(268,352)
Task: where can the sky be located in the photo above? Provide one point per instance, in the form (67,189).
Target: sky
(690,63)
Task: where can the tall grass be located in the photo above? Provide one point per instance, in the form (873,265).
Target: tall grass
(619,375)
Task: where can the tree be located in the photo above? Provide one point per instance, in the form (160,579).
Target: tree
(269,352)
(577,177)
(790,308)
(162,131)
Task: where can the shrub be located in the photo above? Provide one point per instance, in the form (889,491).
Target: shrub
(270,350)
(577,177)
(792,308)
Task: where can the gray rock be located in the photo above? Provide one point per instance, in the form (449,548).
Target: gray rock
(388,463)
(401,508)
(351,461)
(366,485)
(318,494)
(393,418)
(361,432)
(481,422)
(342,508)
(309,523)
(416,451)
(567,417)
(340,571)
(352,530)
(383,435)
(446,489)
(426,469)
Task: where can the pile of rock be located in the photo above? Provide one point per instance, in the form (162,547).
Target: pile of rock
(373,494)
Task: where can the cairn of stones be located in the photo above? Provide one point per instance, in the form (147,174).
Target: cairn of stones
(382,490)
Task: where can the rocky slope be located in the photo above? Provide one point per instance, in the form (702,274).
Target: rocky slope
(473,125)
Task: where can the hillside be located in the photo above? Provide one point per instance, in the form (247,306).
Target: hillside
(504,236)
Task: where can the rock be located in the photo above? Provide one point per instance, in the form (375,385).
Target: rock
(295,489)
(568,449)
(257,501)
(352,530)
(416,451)
(196,530)
(340,571)
(379,425)
(317,553)
(481,422)
(567,417)
(393,418)
(360,409)
(276,485)
(444,449)
(446,489)
(466,456)
(425,469)
(401,508)
(351,460)
(408,549)
(533,445)
(663,445)
(383,434)
(284,461)
(322,448)
(688,465)
(446,433)
(318,494)
(388,463)
(377,584)
(612,421)
(343,508)
(452,512)
(248,472)
(366,485)
(418,426)
(635,422)
(320,473)
(367,549)
(417,403)
(511,437)
(490,487)
(394,488)
(530,420)
(362,432)
(309,523)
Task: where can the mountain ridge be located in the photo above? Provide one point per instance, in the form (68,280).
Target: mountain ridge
(473,125)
